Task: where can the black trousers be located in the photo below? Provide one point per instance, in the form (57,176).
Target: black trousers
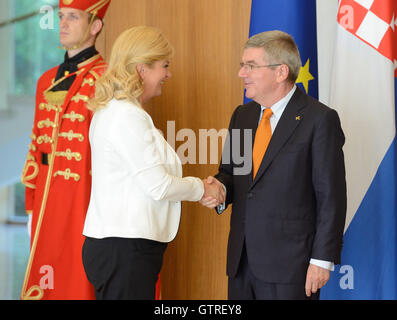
(245,286)
(123,269)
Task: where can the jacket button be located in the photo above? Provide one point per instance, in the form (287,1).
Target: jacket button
(250,195)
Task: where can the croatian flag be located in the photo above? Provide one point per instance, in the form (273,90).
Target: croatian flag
(297,18)
(363,91)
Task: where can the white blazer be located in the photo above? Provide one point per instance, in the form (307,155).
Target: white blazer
(137,184)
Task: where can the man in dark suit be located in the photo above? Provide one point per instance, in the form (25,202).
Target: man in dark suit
(289,209)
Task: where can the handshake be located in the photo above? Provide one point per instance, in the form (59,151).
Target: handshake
(214,193)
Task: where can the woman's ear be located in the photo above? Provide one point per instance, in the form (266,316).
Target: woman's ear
(140,67)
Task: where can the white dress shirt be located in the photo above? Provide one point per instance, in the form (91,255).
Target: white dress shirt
(137,184)
(278,109)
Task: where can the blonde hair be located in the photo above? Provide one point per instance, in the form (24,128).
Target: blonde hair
(280,48)
(121,80)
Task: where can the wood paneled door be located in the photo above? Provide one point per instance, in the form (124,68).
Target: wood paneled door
(208,36)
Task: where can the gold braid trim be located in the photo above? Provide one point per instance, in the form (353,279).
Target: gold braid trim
(46,123)
(44,139)
(67,174)
(68,154)
(49,107)
(32,147)
(97,6)
(89,81)
(29,294)
(88,61)
(71,135)
(55,98)
(29,163)
(73,116)
(78,97)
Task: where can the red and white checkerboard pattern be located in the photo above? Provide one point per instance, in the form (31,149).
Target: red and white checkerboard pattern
(374,22)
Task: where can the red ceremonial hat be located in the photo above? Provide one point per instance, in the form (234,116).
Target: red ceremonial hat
(95,7)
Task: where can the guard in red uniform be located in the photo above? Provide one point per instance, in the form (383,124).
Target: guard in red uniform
(57,170)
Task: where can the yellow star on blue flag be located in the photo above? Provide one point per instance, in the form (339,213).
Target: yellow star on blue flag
(305,76)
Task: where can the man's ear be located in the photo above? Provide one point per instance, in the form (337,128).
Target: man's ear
(96,27)
(282,73)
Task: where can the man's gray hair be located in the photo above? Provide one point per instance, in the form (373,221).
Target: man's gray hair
(281,48)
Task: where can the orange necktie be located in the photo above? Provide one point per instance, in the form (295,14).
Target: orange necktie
(262,139)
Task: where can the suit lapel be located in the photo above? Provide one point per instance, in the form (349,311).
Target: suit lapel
(290,119)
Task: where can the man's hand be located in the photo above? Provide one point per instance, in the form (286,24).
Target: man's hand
(316,278)
(214,194)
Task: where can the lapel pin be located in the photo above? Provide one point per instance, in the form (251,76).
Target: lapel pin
(298,118)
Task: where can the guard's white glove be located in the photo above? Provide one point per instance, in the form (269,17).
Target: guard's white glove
(29,225)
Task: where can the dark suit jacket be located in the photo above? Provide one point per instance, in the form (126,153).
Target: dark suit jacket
(295,208)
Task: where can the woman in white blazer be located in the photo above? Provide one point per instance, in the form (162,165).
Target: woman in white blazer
(137,184)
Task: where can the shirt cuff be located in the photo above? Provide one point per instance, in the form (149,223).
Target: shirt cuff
(222,206)
(323,264)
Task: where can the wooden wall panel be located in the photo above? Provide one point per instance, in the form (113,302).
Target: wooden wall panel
(208,36)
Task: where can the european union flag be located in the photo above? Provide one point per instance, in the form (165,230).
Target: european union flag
(298,18)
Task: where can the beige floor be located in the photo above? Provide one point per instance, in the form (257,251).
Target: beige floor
(14,253)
